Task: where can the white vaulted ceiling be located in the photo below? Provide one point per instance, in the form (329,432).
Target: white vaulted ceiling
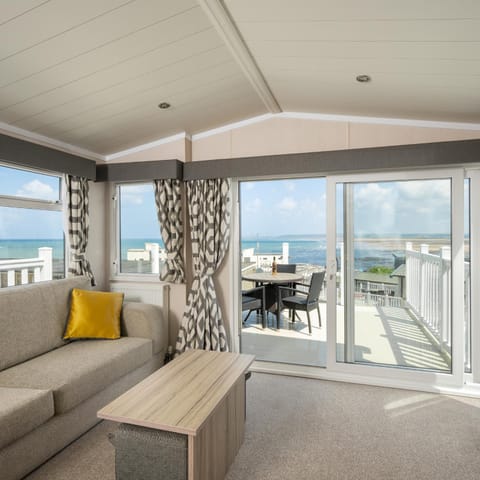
(423,56)
(91,73)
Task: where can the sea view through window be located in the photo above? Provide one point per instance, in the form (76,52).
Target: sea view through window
(32,246)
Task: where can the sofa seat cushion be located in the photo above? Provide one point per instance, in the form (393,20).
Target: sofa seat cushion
(79,370)
(21,411)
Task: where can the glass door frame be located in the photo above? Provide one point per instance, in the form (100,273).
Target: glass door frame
(391,375)
(474,176)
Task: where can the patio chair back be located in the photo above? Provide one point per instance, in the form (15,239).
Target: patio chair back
(316,284)
(286,267)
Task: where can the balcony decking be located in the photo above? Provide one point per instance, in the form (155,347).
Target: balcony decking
(383,335)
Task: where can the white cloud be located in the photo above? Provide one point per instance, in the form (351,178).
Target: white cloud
(135,194)
(373,193)
(254,206)
(290,186)
(287,204)
(430,190)
(374,208)
(413,206)
(37,189)
(132,199)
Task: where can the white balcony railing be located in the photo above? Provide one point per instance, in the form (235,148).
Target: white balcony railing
(428,287)
(20,271)
(378,300)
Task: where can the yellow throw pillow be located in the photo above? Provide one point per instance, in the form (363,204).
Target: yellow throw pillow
(94,315)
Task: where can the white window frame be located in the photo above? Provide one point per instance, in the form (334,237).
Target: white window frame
(453,382)
(31,203)
(474,176)
(11,201)
(398,375)
(115,247)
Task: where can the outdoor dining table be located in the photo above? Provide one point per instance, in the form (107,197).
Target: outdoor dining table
(274,279)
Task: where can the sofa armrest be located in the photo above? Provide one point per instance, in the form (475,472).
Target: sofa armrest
(145,321)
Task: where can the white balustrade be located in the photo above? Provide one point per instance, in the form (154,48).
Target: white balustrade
(154,250)
(18,269)
(367,298)
(428,287)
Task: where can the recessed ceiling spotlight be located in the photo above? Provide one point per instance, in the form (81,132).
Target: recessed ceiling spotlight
(363,78)
(164,105)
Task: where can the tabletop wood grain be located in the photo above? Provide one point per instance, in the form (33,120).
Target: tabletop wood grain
(180,396)
(264,277)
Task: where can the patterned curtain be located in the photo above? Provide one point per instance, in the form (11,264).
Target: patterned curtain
(202,324)
(168,197)
(78,223)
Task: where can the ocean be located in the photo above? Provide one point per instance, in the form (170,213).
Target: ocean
(306,250)
(315,252)
(21,248)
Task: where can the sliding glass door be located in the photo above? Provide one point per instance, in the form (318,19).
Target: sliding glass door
(395,259)
(396,273)
(282,255)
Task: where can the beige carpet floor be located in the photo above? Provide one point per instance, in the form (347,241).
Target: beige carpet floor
(309,429)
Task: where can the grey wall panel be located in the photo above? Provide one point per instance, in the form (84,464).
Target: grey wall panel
(342,161)
(139,171)
(25,154)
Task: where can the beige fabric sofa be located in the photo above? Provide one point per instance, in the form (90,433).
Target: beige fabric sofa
(50,390)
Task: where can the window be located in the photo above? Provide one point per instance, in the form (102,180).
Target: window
(139,249)
(32,246)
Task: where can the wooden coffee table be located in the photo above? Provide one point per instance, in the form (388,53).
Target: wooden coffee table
(199,394)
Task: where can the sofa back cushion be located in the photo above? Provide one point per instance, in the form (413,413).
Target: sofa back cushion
(33,318)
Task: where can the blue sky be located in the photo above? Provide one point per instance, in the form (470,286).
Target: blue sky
(268,208)
(298,206)
(277,207)
(420,206)
(138,212)
(21,183)
(28,223)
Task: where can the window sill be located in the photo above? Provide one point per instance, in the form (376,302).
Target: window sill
(139,278)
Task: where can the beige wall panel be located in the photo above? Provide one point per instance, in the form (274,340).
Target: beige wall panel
(281,135)
(213,147)
(364,135)
(443,135)
(97,241)
(166,151)
(188,150)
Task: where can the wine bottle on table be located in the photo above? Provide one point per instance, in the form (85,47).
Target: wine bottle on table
(274,266)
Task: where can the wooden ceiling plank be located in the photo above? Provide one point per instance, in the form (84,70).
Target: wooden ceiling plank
(99,88)
(53,64)
(466,30)
(55,18)
(134,86)
(9,11)
(308,10)
(209,81)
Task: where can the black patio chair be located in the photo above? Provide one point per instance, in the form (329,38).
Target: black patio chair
(305,301)
(285,268)
(254,299)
